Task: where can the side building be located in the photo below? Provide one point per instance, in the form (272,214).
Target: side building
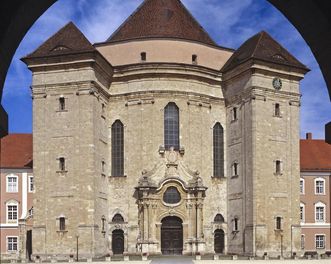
(315,183)
(16,194)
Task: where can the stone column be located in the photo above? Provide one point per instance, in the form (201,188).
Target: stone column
(22,239)
(200,219)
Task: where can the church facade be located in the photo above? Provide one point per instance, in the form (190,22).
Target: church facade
(160,141)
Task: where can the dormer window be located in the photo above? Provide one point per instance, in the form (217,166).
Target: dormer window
(143,56)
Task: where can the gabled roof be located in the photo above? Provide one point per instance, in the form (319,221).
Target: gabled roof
(262,47)
(161,19)
(68,39)
(315,155)
(16,151)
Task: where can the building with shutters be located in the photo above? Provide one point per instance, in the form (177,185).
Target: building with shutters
(160,141)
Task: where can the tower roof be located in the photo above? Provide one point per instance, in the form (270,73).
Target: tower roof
(161,19)
(68,39)
(262,47)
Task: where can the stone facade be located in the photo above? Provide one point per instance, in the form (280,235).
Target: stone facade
(80,93)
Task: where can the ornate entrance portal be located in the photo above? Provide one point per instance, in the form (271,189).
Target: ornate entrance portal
(172,236)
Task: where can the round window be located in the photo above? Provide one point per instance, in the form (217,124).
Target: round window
(171,196)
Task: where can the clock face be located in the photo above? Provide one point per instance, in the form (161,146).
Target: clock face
(277,83)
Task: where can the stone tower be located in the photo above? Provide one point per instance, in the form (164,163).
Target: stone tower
(160,141)
(70,83)
(261,89)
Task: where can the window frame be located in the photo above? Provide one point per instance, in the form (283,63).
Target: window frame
(278,165)
(277,112)
(117,149)
(170,193)
(29,184)
(302,214)
(319,179)
(62,104)
(218,150)
(302,180)
(320,205)
(7,244)
(62,223)
(171,126)
(234,114)
(279,223)
(12,203)
(235,224)
(7,183)
(235,169)
(320,235)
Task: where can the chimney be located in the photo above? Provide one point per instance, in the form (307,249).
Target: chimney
(309,135)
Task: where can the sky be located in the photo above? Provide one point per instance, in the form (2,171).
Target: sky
(229,23)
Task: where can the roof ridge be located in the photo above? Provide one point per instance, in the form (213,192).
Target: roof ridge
(161,18)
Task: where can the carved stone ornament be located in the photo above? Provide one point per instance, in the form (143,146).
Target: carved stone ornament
(172,156)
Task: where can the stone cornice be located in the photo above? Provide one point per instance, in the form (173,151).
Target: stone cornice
(166,70)
(167,93)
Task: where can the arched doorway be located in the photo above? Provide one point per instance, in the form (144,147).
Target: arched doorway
(219,241)
(118,241)
(172,236)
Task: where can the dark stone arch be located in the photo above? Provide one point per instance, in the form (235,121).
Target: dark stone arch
(312,18)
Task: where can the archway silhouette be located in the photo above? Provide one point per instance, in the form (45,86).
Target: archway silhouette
(312,18)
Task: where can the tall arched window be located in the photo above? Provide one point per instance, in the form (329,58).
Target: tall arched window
(117,149)
(171,126)
(218,149)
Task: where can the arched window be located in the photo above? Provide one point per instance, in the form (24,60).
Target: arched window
(118,218)
(171,196)
(219,218)
(117,149)
(218,149)
(171,126)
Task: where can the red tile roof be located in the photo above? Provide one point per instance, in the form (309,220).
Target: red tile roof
(161,19)
(315,155)
(262,47)
(67,40)
(16,151)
